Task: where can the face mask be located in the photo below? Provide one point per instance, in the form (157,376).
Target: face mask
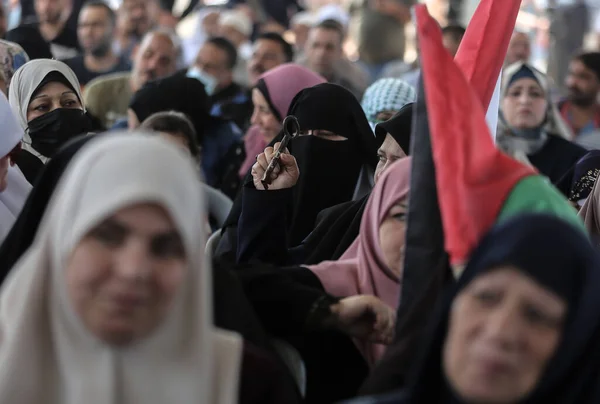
(52,130)
(210,82)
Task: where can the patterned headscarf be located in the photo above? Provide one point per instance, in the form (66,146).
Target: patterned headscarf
(386,95)
(12,56)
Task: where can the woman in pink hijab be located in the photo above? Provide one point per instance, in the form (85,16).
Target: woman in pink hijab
(272,98)
(372,265)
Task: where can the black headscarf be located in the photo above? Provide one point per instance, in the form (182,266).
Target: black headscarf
(399,126)
(174,93)
(578,182)
(559,257)
(329,170)
(25,227)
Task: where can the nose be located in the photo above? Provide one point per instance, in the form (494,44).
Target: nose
(254,118)
(133,262)
(503,326)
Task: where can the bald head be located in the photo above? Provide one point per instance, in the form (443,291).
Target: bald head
(519,48)
(156,57)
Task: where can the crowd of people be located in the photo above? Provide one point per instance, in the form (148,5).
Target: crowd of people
(399,249)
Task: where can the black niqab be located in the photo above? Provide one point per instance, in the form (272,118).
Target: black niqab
(329,170)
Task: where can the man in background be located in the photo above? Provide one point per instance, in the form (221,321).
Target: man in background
(519,49)
(97,24)
(236,26)
(107,98)
(49,35)
(135,18)
(580,109)
(325,55)
(269,51)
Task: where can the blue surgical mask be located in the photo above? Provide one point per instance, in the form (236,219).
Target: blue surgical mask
(210,82)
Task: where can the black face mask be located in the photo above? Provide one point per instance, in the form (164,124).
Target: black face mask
(52,130)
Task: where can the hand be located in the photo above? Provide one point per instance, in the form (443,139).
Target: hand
(285,174)
(365,317)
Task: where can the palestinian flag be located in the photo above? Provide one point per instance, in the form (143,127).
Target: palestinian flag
(477,185)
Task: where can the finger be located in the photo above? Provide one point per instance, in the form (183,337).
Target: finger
(269,153)
(276,146)
(262,160)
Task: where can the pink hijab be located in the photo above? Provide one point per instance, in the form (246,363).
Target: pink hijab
(282,83)
(361,270)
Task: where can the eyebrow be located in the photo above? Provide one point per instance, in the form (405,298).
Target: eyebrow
(47,96)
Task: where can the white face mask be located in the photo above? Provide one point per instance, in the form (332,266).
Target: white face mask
(210,82)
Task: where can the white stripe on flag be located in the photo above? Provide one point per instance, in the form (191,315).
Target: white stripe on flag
(492,113)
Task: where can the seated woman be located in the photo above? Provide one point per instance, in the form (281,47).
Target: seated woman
(336,366)
(272,97)
(339,151)
(45,97)
(530,127)
(114,293)
(521,324)
(14,188)
(262,237)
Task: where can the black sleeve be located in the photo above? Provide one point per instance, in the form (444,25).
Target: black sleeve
(265,381)
(262,228)
(282,297)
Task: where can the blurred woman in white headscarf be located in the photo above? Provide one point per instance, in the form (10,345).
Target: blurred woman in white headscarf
(112,301)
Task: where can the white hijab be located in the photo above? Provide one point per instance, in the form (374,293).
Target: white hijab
(46,353)
(14,196)
(26,81)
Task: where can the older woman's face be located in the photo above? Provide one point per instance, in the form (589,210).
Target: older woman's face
(503,329)
(524,105)
(52,96)
(124,274)
(392,237)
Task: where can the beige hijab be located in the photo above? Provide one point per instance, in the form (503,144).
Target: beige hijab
(554,123)
(46,353)
(26,81)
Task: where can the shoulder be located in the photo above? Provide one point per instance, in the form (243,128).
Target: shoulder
(109,83)
(565,145)
(75,61)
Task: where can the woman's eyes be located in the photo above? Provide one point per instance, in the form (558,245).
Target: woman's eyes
(110,236)
(166,247)
(41,108)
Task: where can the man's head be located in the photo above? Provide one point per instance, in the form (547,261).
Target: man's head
(137,17)
(96,27)
(155,57)
(217,58)
(519,48)
(270,50)
(324,47)
(583,79)
(451,37)
(52,11)
(236,27)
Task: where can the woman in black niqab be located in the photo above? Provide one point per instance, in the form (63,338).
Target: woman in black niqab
(560,259)
(330,170)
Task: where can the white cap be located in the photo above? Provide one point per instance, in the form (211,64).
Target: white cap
(303,18)
(333,12)
(237,20)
